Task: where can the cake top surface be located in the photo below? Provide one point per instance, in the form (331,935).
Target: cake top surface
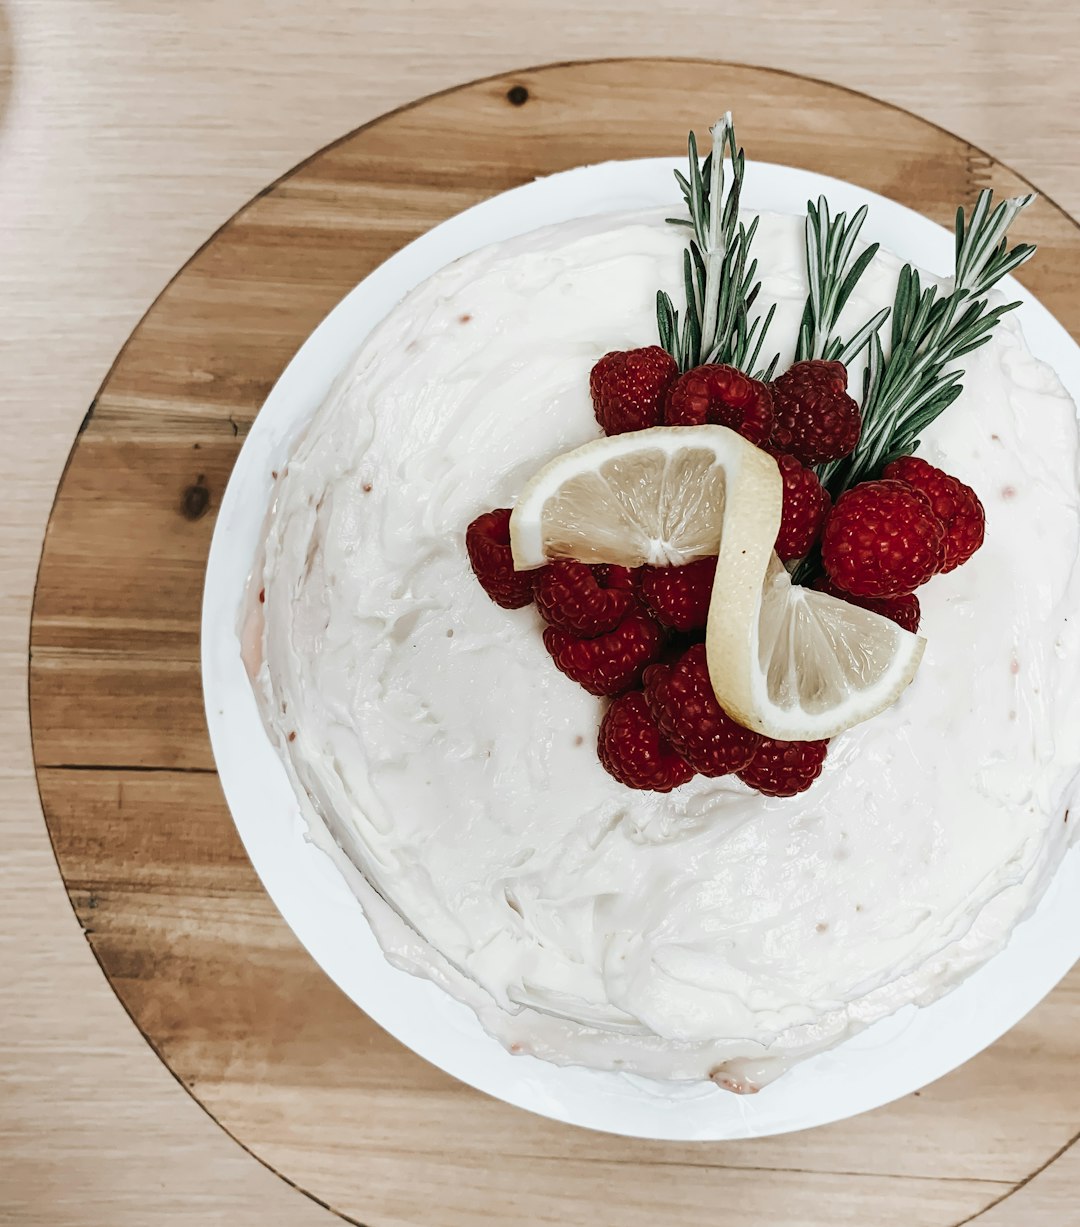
(428,731)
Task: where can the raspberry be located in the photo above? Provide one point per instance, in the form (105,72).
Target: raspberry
(487,540)
(632,749)
(783,768)
(611,663)
(957,506)
(679,596)
(806,504)
(722,396)
(681,699)
(882,539)
(903,610)
(585,600)
(628,388)
(816,420)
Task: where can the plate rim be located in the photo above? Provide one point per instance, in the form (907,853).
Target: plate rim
(532,1092)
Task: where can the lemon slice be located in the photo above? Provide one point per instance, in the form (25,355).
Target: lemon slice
(662,496)
(786,661)
(793,663)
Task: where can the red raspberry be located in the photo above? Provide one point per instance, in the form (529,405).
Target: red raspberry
(806,504)
(632,749)
(611,663)
(487,540)
(628,388)
(681,699)
(721,396)
(957,506)
(679,596)
(585,600)
(882,539)
(783,768)
(816,420)
(903,610)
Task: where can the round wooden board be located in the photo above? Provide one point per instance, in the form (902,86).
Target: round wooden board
(173,911)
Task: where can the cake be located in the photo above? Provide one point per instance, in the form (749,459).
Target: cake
(709,931)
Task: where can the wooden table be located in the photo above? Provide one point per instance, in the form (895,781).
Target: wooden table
(129,133)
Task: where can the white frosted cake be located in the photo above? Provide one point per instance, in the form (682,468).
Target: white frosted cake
(710,931)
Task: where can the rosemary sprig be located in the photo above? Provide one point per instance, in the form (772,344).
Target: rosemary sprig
(931,331)
(718,272)
(832,276)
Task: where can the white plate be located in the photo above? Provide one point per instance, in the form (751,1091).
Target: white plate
(894,1057)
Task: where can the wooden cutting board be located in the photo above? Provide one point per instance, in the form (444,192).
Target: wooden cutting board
(173,911)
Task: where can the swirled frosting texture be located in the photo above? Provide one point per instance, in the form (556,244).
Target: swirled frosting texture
(711,932)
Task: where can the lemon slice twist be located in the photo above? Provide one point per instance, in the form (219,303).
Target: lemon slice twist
(786,661)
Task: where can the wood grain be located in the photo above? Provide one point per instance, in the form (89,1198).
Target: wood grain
(171,908)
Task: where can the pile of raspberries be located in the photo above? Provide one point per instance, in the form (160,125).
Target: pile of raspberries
(637,637)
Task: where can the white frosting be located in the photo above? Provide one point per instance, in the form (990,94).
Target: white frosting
(710,932)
